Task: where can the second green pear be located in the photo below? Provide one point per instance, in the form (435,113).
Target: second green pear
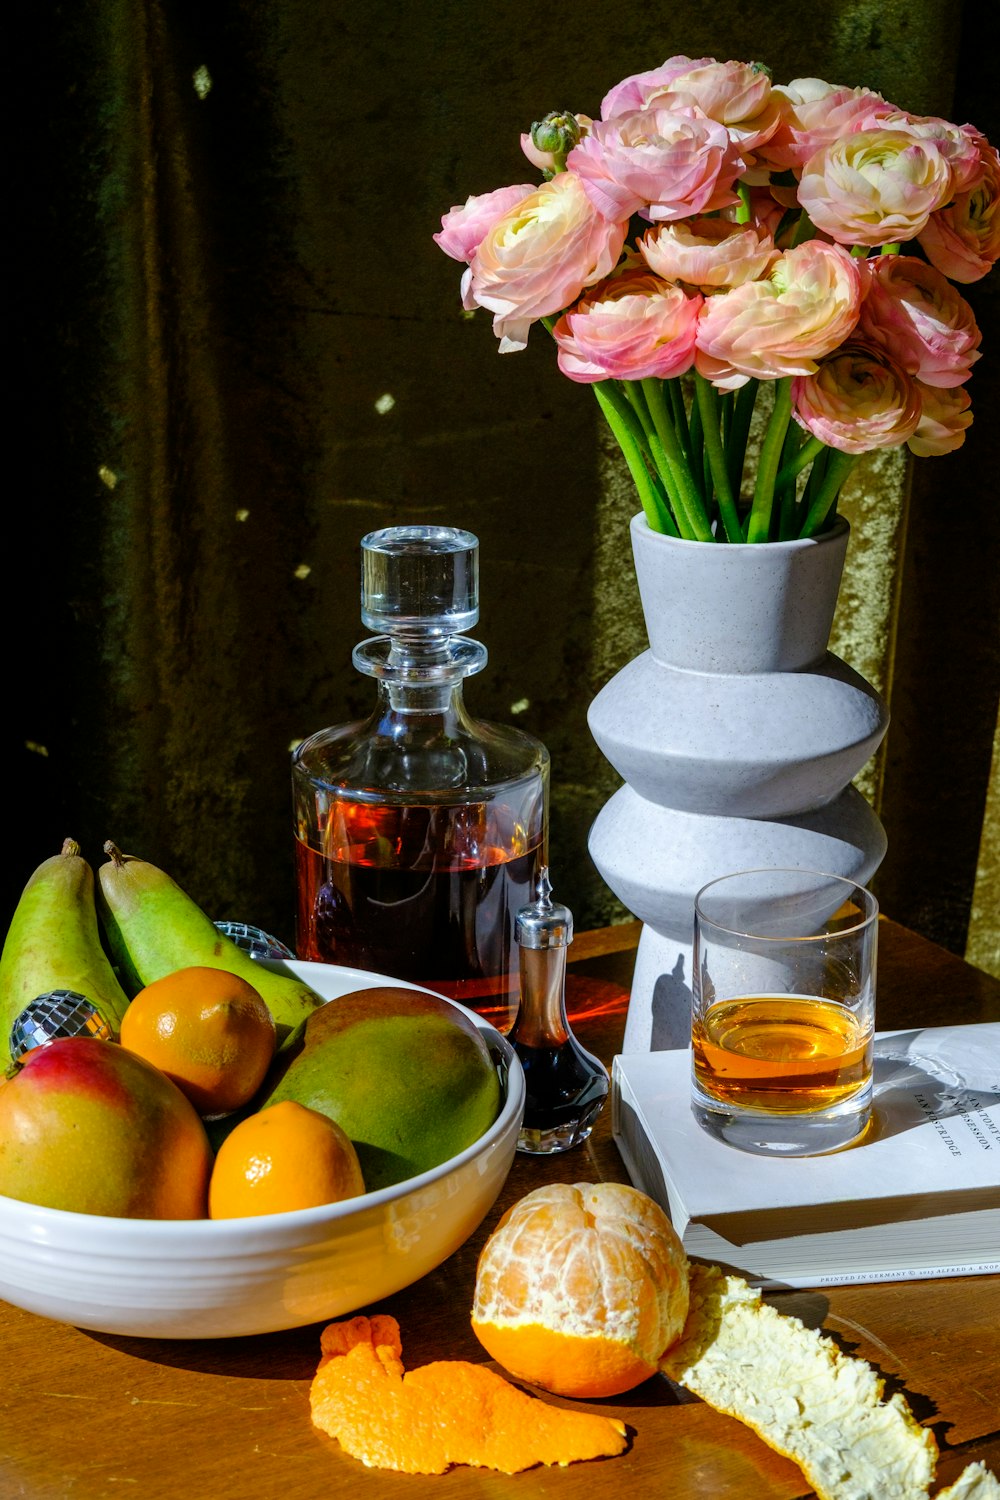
(153,928)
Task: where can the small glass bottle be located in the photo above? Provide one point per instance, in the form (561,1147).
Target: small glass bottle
(566,1086)
(420,830)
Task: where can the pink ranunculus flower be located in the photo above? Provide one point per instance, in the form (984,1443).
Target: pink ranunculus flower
(944,416)
(538,257)
(858,399)
(736,94)
(916,313)
(963,238)
(634,92)
(875,187)
(708,253)
(814,114)
(662,163)
(628,328)
(805,307)
(463,226)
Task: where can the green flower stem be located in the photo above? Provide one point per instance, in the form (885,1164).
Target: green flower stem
(814,480)
(707,407)
(739,431)
(744,212)
(791,470)
(784,489)
(699,458)
(759,529)
(679,415)
(624,424)
(688,493)
(838,466)
(804,230)
(696,439)
(661,463)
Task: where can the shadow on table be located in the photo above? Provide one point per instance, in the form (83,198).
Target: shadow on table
(289,1355)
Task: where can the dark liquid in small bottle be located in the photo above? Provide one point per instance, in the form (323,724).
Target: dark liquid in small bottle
(566,1088)
(424,893)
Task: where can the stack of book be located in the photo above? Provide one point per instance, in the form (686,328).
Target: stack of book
(919,1196)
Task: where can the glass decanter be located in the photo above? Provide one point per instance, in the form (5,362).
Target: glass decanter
(420,830)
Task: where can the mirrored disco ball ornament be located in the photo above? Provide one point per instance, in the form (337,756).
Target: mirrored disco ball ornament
(254,940)
(55,1014)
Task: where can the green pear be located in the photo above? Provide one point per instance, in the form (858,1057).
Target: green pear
(54,943)
(408,1076)
(154,928)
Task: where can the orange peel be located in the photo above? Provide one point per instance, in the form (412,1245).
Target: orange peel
(448,1412)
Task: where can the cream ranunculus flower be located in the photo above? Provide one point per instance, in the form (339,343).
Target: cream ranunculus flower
(814,114)
(963,238)
(875,187)
(858,399)
(708,253)
(538,257)
(944,416)
(803,309)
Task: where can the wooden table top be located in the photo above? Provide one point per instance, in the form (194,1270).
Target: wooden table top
(88,1416)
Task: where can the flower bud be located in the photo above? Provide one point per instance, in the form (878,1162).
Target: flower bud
(557,134)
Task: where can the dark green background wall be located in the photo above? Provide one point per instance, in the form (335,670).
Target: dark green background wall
(222,262)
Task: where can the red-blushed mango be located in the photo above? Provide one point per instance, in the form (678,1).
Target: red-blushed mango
(90,1127)
(408,1076)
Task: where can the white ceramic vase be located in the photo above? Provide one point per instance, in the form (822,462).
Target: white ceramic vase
(737,734)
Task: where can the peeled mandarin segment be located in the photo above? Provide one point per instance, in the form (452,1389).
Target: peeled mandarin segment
(581,1288)
(806,1400)
(283,1158)
(448,1412)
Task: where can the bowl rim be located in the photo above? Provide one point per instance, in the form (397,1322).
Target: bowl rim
(43,1224)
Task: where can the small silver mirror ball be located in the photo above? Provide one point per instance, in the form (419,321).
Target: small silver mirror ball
(54,1014)
(254,940)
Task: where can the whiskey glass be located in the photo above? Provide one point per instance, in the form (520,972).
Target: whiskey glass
(783,1011)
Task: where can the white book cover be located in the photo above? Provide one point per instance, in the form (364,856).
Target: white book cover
(919,1196)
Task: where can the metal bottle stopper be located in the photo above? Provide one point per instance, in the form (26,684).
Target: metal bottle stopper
(544,923)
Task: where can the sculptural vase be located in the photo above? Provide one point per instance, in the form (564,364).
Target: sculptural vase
(737,734)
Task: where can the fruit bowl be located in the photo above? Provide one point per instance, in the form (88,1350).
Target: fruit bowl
(207,1278)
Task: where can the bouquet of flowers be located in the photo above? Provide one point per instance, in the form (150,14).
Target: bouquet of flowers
(712,231)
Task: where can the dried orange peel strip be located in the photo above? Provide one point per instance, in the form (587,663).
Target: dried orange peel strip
(448,1412)
(792,1385)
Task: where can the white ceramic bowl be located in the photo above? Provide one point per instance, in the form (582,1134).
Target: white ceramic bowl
(216,1278)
